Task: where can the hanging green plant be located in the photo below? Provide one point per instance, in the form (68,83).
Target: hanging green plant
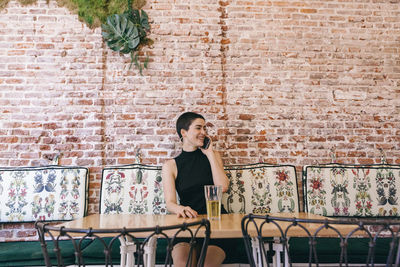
(127,33)
(124,24)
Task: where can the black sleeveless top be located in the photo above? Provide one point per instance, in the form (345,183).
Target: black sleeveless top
(194,172)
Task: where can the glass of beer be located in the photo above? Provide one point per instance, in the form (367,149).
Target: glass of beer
(213,195)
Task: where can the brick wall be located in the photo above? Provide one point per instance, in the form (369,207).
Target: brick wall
(278,81)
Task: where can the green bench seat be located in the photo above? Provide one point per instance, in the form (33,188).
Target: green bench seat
(29,253)
(328,250)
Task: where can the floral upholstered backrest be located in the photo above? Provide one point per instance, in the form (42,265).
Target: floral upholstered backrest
(261,188)
(137,189)
(356,190)
(50,193)
(132,189)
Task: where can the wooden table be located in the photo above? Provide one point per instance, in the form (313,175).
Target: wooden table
(228,227)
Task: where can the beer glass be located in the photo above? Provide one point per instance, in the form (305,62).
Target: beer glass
(213,195)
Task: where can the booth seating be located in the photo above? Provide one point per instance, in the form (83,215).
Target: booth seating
(352,190)
(133,189)
(137,189)
(50,193)
(355,191)
(261,188)
(253,188)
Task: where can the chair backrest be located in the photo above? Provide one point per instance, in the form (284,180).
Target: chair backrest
(261,188)
(59,243)
(132,189)
(137,189)
(375,238)
(352,190)
(48,193)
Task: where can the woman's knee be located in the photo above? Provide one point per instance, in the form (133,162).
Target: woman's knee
(215,256)
(180,254)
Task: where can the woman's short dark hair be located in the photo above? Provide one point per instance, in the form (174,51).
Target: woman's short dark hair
(185,120)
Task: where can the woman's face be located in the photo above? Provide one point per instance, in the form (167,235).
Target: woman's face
(196,133)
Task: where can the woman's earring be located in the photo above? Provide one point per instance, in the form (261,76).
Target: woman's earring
(181,139)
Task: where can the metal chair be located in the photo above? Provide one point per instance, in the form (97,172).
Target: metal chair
(59,242)
(380,237)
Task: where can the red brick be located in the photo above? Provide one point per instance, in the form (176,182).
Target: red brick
(84,162)
(242,145)
(317,139)
(6,234)
(9,140)
(45,46)
(157,153)
(246,117)
(26,233)
(308,10)
(365,161)
(33,155)
(16,52)
(356,154)
(336,138)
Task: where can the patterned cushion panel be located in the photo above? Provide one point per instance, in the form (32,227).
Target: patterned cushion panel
(43,193)
(261,188)
(132,189)
(358,190)
(253,188)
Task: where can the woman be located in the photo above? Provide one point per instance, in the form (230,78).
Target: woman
(186,175)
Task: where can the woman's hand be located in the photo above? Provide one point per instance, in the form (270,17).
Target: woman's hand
(209,148)
(217,167)
(186,212)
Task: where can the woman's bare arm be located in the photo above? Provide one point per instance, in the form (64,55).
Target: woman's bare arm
(169,172)
(217,168)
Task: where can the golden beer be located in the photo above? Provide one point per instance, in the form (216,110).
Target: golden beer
(213,209)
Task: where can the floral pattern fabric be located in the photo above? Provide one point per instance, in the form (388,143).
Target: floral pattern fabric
(357,190)
(259,188)
(42,193)
(132,189)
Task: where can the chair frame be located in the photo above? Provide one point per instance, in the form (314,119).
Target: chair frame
(46,233)
(370,228)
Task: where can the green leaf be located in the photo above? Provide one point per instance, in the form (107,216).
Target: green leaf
(134,43)
(146,62)
(144,20)
(136,16)
(126,33)
(123,24)
(120,33)
(137,61)
(132,59)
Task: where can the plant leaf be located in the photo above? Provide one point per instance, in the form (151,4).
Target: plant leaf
(132,59)
(144,20)
(120,33)
(146,62)
(126,33)
(137,61)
